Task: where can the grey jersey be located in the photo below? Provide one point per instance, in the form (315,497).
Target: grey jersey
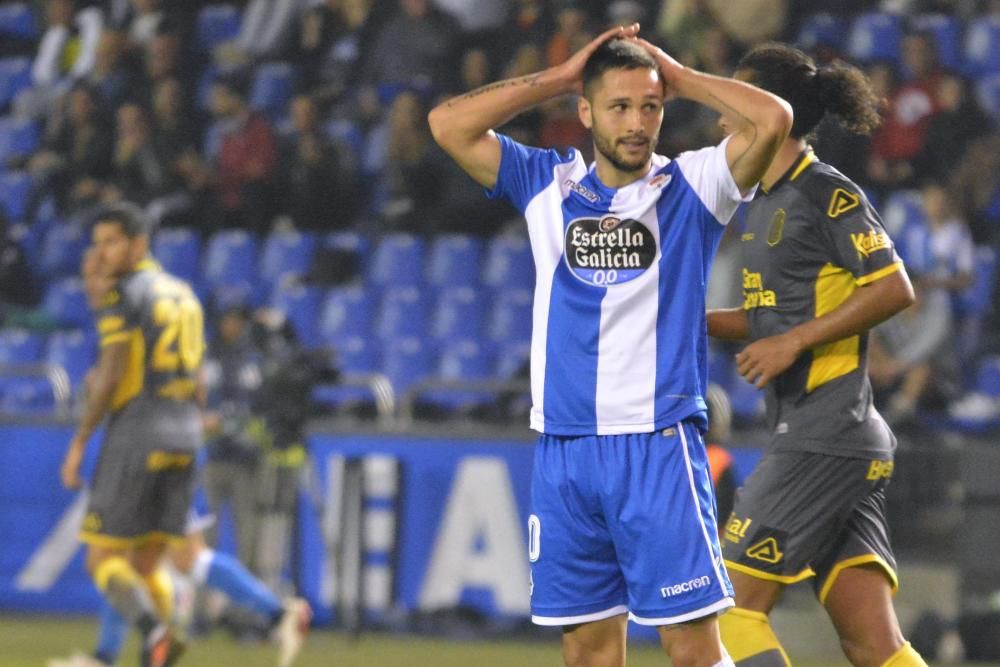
(809,242)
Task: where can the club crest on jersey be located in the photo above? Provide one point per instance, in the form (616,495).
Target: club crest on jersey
(608,251)
(777,228)
(659,181)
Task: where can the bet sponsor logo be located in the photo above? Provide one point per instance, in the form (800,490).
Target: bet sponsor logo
(871,241)
(609,251)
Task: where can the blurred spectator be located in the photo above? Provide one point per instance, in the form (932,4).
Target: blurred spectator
(18,289)
(525,127)
(475,16)
(959,122)
(76,154)
(111,77)
(909,355)
(318,179)
(141,20)
(416,47)
(140,173)
(476,70)
(901,138)
(572,33)
(975,188)
(176,138)
(528,22)
(942,256)
(66,52)
(682,25)
(164,58)
(720,461)
(232,377)
(266,32)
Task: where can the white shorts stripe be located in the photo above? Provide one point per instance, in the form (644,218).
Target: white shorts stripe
(583,618)
(682,618)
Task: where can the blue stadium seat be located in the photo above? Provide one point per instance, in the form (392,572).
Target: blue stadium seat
(464,360)
(902,209)
(17,20)
(351,242)
(459,314)
(74,350)
(18,137)
(822,29)
(875,36)
(347,134)
(62,250)
(747,401)
(510,359)
(402,313)
(66,303)
(271,89)
(18,346)
(721,369)
(978,297)
(217,24)
(947,32)
(398,260)
(347,312)
(510,319)
(300,304)
(285,252)
(15,76)
(354,355)
(988,94)
(982,46)
(178,250)
(509,264)
(230,258)
(455,261)
(15,190)
(988,377)
(27,395)
(407,361)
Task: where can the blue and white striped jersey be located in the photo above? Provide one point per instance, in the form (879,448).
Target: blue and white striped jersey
(618,332)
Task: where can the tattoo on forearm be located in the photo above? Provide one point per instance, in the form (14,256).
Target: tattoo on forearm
(529,80)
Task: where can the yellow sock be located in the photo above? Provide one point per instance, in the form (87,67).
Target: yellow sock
(747,634)
(161,588)
(905,657)
(118,568)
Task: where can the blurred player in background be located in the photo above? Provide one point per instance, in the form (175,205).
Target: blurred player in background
(623,520)
(720,461)
(286,623)
(819,271)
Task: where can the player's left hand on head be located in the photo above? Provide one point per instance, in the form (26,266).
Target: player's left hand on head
(762,361)
(669,66)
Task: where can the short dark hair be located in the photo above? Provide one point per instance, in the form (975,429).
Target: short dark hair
(839,89)
(126,215)
(615,53)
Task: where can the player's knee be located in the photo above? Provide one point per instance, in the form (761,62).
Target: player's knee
(869,651)
(687,654)
(592,654)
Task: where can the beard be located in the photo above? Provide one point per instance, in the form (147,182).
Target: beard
(610,150)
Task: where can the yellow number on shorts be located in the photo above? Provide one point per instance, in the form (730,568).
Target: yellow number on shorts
(180,342)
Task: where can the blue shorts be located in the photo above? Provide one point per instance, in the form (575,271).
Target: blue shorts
(624,523)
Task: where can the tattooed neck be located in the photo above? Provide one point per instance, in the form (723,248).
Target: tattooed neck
(529,80)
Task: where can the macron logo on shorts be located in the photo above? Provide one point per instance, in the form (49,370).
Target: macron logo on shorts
(686,587)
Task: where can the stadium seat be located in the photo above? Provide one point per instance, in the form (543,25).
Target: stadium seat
(178,250)
(62,250)
(351,242)
(18,137)
(875,36)
(978,297)
(15,76)
(272,88)
(988,377)
(747,401)
(27,395)
(285,252)
(18,346)
(17,20)
(455,261)
(988,95)
(822,29)
(347,312)
(230,258)
(74,350)
(217,24)
(902,209)
(15,191)
(461,361)
(354,355)
(66,303)
(405,362)
(947,32)
(398,260)
(509,264)
(982,46)
(511,358)
(403,312)
(347,134)
(458,314)
(510,319)
(300,304)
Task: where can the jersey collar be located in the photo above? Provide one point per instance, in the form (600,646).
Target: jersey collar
(805,158)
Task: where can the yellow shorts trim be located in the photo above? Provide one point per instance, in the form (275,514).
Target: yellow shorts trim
(856,561)
(767,576)
(113,542)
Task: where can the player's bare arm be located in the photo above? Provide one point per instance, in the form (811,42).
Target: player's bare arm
(868,306)
(108,373)
(760,121)
(728,324)
(463,126)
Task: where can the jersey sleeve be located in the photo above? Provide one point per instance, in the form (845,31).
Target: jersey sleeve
(117,317)
(525,171)
(707,172)
(855,235)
